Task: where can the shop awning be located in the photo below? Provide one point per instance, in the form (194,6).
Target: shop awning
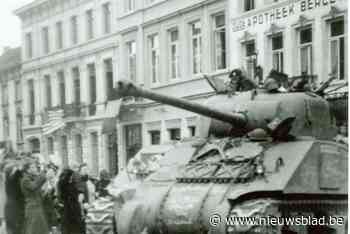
(111,113)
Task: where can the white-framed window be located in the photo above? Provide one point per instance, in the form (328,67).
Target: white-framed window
(50,145)
(106,17)
(59,35)
(5,96)
(62,87)
(108,72)
(129,5)
(29,45)
(192,131)
(74,29)
(277,52)
(131,59)
(48,91)
(76,84)
(250,57)
(337,48)
(153,42)
(18,91)
(196,46)
(174,53)
(154,137)
(174,134)
(219,41)
(249,5)
(89,24)
(45,39)
(305,51)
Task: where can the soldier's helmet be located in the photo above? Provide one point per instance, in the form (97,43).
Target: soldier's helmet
(258,134)
(271,85)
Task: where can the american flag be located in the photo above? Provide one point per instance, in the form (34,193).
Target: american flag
(55,121)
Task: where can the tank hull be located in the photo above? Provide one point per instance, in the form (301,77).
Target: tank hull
(313,179)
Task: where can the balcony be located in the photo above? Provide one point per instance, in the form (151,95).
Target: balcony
(73,110)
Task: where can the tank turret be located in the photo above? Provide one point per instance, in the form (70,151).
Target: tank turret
(281,114)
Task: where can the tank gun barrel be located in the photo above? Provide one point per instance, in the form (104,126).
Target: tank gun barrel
(127,88)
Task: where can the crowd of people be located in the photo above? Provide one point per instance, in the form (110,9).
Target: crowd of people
(44,199)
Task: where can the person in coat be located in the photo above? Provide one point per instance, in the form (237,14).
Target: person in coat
(72,216)
(34,219)
(101,187)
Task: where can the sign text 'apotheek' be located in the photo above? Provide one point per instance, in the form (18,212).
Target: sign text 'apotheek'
(273,15)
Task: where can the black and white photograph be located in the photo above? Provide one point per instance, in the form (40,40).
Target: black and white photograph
(174,116)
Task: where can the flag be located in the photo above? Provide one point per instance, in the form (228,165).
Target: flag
(111,113)
(55,121)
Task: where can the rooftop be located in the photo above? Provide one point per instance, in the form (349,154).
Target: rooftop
(10,58)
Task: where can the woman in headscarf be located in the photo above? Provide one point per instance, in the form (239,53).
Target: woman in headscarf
(35,221)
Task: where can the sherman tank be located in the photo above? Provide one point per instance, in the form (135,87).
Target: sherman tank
(260,154)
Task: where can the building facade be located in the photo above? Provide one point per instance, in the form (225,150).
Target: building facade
(11,117)
(68,70)
(75,50)
(167,46)
(292,36)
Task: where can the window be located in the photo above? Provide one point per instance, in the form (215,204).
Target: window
(19,123)
(64,150)
(50,146)
(94,155)
(89,24)
(249,5)
(154,57)
(6,125)
(78,148)
(45,40)
(196,34)
(62,87)
(107,17)
(31,102)
(5,96)
(48,91)
(337,48)
(174,52)
(92,88)
(74,29)
(108,67)
(133,140)
(59,35)
(220,42)
(155,137)
(76,84)
(277,52)
(192,131)
(250,57)
(29,45)
(131,50)
(305,51)
(174,134)
(129,5)
(18,90)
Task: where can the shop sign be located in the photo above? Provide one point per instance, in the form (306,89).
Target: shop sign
(273,15)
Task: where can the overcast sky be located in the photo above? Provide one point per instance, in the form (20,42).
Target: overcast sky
(9,23)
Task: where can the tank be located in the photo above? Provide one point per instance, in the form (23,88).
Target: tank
(260,155)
